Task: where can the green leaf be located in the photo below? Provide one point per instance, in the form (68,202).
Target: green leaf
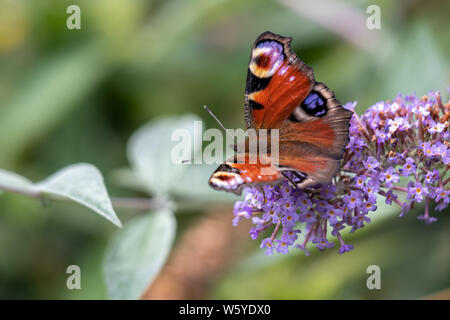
(14,182)
(81,183)
(136,254)
(149,152)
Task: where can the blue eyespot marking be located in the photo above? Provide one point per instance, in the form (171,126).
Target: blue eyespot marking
(314,105)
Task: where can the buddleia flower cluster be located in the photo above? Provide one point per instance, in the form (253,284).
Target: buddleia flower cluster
(398,150)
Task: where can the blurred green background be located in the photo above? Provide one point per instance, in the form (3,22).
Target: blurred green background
(71,96)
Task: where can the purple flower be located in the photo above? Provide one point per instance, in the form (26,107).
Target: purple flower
(417,191)
(303,203)
(372,188)
(390,196)
(332,214)
(427,220)
(328,191)
(323,243)
(407,137)
(282,247)
(420,110)
(382,136)
(309,217)
(352,200)
(267,243)
(345,248)
(432,177)
(395,124)
(409,167)
(359,181)
(358,220)
(371,163)
(368,206)
(427,150)
(439,193)
(291,235)
(436,127)
(390,177)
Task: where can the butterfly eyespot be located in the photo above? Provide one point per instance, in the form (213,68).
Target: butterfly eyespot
(262,61)
(314,105)
(267,57)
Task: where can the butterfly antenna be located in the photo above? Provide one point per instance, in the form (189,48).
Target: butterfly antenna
(215,118)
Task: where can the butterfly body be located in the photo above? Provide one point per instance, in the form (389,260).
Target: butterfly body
(281,93)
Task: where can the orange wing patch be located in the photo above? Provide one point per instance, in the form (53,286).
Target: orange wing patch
(233,175)
(277,82)
(317,132)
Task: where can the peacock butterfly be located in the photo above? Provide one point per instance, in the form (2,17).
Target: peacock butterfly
(281,93)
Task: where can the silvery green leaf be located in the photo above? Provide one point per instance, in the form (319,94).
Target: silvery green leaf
(136,254)
(12,181)
(81,183)
(150,151)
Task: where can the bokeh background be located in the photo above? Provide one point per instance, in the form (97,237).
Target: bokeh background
(71,96)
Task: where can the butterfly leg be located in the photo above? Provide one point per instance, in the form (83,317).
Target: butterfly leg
(264,194)
(289,179)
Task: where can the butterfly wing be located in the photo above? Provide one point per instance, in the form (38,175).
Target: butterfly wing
(281,93)
(239,171)
(277,82)
(313,138)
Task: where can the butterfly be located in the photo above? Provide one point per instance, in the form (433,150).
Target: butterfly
(281,93)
